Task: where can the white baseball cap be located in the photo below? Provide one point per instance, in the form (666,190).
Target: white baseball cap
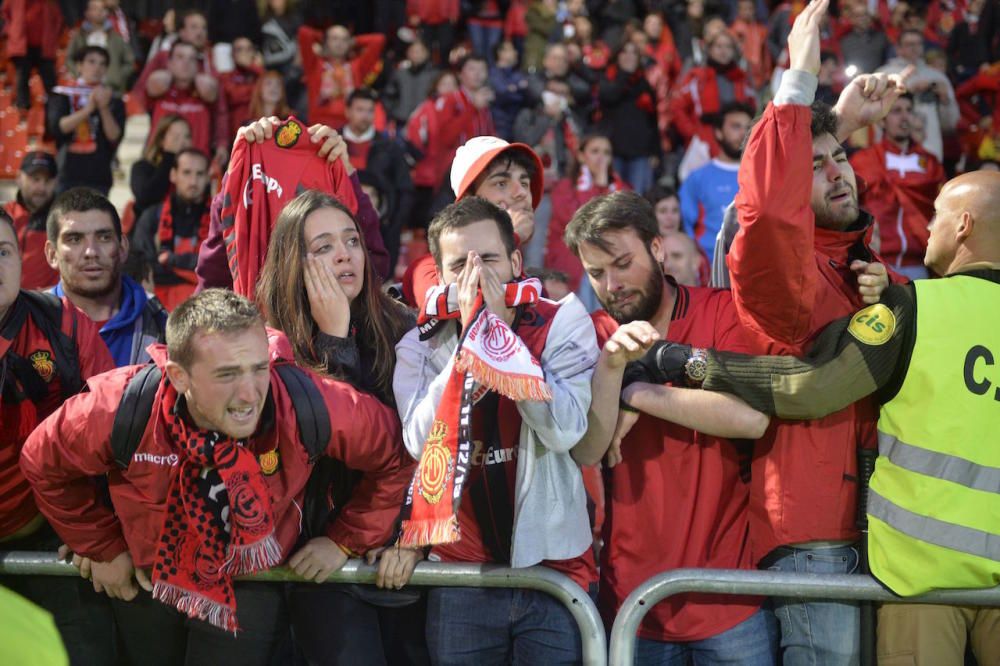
(472,159)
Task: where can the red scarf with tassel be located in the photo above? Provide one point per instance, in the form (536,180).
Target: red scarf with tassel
(218,523)
(491,354)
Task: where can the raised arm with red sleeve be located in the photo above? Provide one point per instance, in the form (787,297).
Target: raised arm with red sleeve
(59,460)
(368,62)
(773,260)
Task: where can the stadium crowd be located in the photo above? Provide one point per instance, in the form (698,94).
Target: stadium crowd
(400,280)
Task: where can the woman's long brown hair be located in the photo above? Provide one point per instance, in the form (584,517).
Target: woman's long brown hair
(154,151)
(256,108)
(281,295)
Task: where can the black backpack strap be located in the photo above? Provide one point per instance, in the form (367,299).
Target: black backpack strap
(46,311)
(311,413)
(133,414)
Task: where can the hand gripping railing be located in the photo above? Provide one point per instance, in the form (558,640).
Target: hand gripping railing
(764,583)
(431,574)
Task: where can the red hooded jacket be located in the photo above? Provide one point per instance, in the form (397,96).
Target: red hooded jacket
(900,196)
(789,280)
(74,444)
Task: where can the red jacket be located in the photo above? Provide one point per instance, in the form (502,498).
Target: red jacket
(433,12)
(698,94)
(900,196)
(789,280)
(44,21)
(340,78)
(159,61)
(17,420)
(73,445)
(567,198)
(207,119)
(438,127)
(31,236)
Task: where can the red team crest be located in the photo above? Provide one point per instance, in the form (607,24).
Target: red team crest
(288,135)
(41,361)
(435,465)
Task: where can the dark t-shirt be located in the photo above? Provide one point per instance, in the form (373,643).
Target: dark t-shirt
(85,154)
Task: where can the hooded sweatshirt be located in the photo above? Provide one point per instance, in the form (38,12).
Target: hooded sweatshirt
(125,334)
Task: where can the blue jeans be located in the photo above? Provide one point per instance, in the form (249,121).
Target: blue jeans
(483,39)
(753,642)
(499,626)
(636,171)
(823,633)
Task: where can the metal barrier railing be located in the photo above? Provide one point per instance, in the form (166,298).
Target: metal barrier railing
(431,574)
(765,583)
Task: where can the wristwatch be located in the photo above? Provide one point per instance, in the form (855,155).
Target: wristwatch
(696,367)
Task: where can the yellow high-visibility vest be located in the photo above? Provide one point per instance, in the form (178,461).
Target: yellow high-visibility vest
(934,501)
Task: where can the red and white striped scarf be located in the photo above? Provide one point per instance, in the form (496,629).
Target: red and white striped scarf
(491,354)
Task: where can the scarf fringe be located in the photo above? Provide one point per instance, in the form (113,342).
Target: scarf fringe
(196,606)
(252,557)
(511,385)
(433,532)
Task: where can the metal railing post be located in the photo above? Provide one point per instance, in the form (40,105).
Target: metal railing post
(764,583)
(431,574)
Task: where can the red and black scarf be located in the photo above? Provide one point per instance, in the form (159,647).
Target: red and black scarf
(217,524)
(182,245)
(488,353)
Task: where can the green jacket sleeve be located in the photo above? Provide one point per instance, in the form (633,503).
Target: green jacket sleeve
(851,358)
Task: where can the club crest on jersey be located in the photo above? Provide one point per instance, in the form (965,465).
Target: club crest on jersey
(269,461)
(41,361)
(288,135)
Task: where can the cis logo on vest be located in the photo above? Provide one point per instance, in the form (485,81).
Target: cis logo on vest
(972,358)
(874,325)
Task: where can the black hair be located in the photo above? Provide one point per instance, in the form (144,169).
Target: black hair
(733,107)
(179,43)
(658,193)
(362,93)
(824,120)
(81,54)
(79,199)
(466,211)
(191,151)
(508,158)
(472,57)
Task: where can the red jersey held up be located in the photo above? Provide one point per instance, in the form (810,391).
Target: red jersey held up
(262,179)
(679,498)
